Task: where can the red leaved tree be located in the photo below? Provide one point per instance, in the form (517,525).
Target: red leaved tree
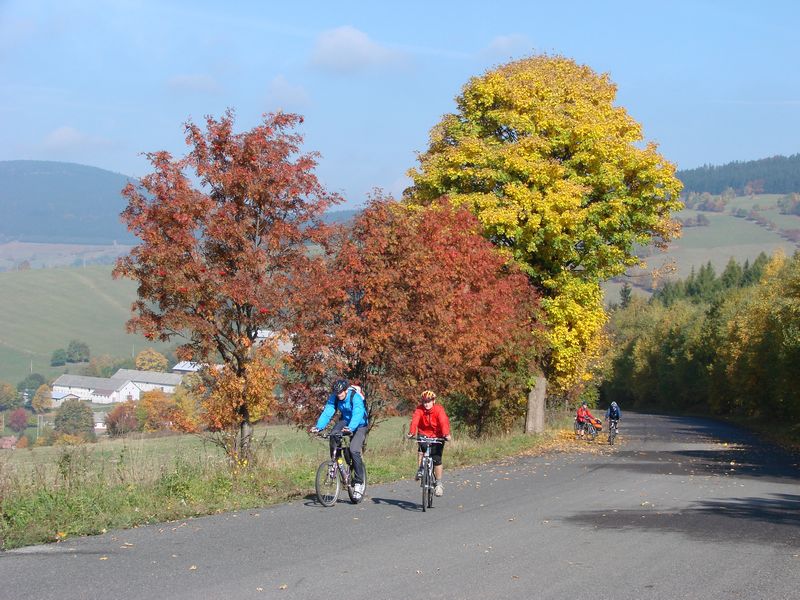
(217,263)
(414,299)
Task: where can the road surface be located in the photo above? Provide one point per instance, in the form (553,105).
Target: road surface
(681,508)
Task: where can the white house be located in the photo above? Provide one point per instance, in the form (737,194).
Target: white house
(100,390)
(150,380)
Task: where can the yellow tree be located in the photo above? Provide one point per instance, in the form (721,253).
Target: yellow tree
(557,176)
(42,399)
(151,360)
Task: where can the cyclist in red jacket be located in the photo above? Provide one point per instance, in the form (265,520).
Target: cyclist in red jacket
(430,419)
(581,417)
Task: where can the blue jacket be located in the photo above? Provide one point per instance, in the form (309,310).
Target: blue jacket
(352,408)
(608,413)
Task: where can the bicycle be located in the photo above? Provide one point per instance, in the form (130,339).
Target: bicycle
(338,471)
(589,428)
(427,481)
(613,430)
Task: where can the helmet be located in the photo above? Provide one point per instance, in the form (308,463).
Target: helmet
(584,403)
(613,405)
(339,386)
(428,395)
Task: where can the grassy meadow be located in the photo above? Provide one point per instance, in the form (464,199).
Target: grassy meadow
(724,238)
(43,309)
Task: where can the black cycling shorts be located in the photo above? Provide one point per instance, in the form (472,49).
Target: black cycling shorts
(436,452)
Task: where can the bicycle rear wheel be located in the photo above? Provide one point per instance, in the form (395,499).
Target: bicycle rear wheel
(592,432)
(351,490)
(327,483)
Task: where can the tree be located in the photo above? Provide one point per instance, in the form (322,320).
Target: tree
(9,398)
(413,300)
(557,177)
(75,418)
(30,383)
(151,360)
(218,264)
(625,295)
(42,400)
(155,410)
(77,351)
(122,419)
(59,358)
(18,420)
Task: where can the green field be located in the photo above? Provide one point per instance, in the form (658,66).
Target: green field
(43,309)
(724,238)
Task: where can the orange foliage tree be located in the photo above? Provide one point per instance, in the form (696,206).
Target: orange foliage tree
(217,262)
(413,299)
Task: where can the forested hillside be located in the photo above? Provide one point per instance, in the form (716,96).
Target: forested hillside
(774,175)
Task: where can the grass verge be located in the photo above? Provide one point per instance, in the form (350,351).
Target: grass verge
(85,490)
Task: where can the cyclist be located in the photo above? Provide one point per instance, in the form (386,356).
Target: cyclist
(349,401)
(581,417)
(613,414)
(430,419)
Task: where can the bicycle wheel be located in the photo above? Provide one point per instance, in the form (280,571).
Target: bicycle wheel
(425,482)
(612,433)
(351,490)
(327,483)
(591,432)
(431,488)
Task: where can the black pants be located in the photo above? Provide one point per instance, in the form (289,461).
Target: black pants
(356,445)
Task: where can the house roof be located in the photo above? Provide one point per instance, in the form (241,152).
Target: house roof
(152,377)
(187,365)
(60,395)
(89,383)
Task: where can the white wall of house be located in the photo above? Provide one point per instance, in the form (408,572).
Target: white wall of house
(81,392)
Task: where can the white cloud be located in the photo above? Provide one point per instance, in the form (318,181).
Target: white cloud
(282,94)
(193,84)
(69,139)
(508,45)
(348,50)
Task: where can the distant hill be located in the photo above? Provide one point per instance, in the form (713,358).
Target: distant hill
(44,201)
(58,202)
(775,175)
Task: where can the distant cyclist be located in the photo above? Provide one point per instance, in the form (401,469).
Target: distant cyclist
(349,401)
(582,416)
(430,419)
(613,414)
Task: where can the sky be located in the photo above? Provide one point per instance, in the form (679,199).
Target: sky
(102,82)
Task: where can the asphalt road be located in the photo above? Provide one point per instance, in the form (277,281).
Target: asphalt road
(681,508)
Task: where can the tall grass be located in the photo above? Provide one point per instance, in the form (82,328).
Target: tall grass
(48,494)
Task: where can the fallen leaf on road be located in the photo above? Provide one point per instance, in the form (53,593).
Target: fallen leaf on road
(193,568)
(103,558)
(283,586)
(259,589)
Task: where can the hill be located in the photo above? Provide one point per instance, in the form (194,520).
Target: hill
(67,203)
(775,175)
(43,309)
(58,202)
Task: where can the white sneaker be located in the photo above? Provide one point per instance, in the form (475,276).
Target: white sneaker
(358,490)
(438,490)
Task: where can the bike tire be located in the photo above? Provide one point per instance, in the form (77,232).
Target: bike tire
(351,490)
(592,432)
(327,483)
(425,483)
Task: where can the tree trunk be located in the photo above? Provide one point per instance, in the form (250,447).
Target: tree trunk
(245,438)
(534,420)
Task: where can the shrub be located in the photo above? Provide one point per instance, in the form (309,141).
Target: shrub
(75,418)
(18,420)
(122,419)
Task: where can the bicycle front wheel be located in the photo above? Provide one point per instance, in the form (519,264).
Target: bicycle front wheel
(327,483)
(425,482)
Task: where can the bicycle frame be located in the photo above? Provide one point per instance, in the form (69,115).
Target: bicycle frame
(339,468)
(427,481)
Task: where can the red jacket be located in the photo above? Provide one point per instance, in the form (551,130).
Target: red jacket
(431,423)
(583,414)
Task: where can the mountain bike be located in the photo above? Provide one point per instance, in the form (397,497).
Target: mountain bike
(337,472)
(613,426)
(427,481)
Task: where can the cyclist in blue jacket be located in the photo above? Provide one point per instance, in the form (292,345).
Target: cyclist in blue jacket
(613,413)
(349,402)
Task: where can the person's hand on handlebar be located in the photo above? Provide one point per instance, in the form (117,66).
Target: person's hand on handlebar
(448,437)
(313,430)
(346,431)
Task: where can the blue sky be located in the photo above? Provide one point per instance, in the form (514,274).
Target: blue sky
(99,83)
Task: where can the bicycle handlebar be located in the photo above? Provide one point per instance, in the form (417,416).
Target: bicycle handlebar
(430,440)
(327,434)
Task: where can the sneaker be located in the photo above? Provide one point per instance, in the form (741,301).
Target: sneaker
(438,490)
(418,476)
(358,490)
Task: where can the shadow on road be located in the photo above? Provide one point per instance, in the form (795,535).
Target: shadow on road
(404,504)
(774,520)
